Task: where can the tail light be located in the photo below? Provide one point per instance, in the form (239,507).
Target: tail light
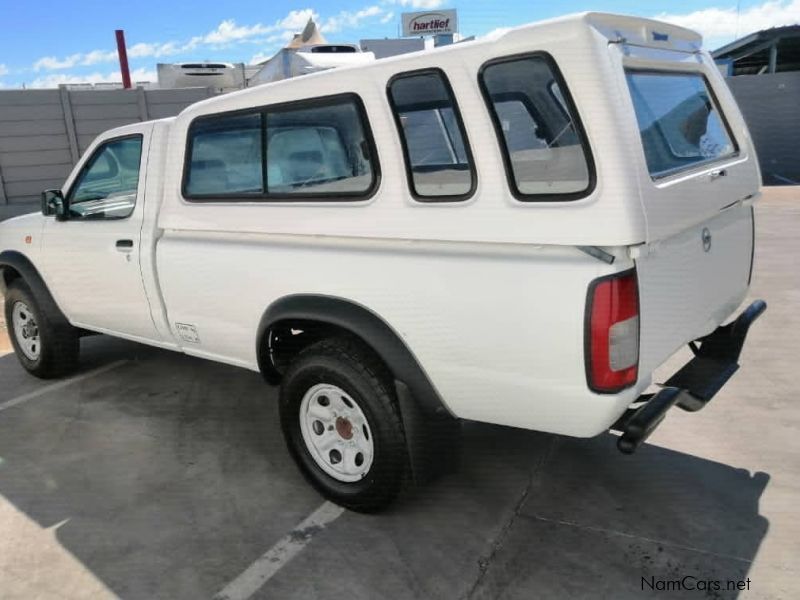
(612,332)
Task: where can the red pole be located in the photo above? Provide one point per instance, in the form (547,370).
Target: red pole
(123,59)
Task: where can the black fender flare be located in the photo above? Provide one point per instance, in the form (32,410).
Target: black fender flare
(366,325)
(34,280)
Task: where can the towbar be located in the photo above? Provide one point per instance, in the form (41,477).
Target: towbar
(715,361)
(644,420)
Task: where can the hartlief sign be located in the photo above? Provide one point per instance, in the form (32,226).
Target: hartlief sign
(429,23)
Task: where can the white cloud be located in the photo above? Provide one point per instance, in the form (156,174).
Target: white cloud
(283,36)
(98,56)
(350,19)
(55,79)
(260,57)
(51,63)
(424,4)
(230,33)
(142,50)
(190,45)
(143,74)
(3,70)
(297,19)
(721,25)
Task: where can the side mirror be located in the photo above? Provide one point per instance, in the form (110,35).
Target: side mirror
(53,204)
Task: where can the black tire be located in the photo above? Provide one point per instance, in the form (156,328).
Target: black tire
(60,342)
(352,367)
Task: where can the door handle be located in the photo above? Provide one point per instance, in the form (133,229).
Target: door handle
(717,174)
(124,245)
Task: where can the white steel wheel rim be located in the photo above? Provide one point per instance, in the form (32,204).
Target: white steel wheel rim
(26,331)
(336,433)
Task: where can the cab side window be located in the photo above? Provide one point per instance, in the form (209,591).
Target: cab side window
(434,141)
(544,149)
(107,185)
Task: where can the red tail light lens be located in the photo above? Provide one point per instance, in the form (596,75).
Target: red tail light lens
(612,333)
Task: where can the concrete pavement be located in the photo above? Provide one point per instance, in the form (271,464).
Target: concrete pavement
(166,477)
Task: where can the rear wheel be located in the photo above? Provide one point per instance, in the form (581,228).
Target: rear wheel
(342,425)
(44,347)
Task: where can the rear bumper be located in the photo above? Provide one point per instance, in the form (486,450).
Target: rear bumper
(716,359)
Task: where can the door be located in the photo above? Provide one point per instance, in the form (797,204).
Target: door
(698,177)
(92,259)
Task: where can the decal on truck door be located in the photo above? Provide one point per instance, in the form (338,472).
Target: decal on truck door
(188,333)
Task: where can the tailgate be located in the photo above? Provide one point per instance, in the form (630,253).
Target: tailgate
(692,282)
(698,177)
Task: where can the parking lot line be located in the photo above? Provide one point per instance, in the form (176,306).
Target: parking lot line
(267,565)
(59,385)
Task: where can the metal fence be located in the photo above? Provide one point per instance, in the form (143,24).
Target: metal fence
(44,132)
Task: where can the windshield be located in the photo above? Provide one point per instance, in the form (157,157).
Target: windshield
(679,121)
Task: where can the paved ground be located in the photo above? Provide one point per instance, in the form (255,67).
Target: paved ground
(166,477)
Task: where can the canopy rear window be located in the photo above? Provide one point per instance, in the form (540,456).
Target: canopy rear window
(680,122)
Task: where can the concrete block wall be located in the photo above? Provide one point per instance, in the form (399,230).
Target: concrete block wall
(43,133)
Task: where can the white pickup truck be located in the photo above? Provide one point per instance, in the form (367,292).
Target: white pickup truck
(516,230)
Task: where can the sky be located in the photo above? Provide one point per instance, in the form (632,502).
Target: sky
(47,42)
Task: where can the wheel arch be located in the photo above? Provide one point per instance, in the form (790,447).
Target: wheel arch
(15,265)
(339,314)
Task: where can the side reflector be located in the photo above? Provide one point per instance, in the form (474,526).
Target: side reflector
(612,332)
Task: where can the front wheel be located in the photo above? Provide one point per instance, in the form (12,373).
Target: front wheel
(342,425)
(44,347)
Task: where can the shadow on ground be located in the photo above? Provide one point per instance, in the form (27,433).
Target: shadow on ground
(597,524)
(168,477)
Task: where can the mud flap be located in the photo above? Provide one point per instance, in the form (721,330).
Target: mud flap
(433,438)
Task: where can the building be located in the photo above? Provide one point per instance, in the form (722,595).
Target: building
(385,47)
(763,72)
(775,50)
(222,77)
(308,52)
